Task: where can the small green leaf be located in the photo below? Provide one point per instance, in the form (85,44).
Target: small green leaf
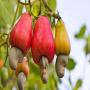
(52,4)
(78,84)
(87,46)
(35,8)
(81,33)
(71,64)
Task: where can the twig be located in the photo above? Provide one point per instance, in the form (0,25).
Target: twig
(30,5)
(3,34)
(23,3)
(54,15)
(40,8)
(6,55)
(2,44)
(7,49)
(15,15)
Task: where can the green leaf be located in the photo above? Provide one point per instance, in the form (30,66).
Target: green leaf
(87,46)
(6,11)
(71,64)
(78,84)
(81,33)
(35,8)
(2,23)
(52,4)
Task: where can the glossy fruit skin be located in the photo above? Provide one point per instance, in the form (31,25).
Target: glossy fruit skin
(21,34)
(42,42)
(1,63)
(22,67)
(62,43)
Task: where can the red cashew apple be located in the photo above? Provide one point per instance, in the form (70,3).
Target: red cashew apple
(43,44)
(23,67)
(62,47)
(21,34)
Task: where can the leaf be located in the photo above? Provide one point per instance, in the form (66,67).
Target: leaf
(87,46)
(6,11)
(78,84)
(52,4)
(35,8)
(71,64)
(2,23)
(81,33)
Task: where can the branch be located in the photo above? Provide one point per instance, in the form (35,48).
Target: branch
(3,44)
(15,15)
(6,55)
(57,16)
(4,34)
(30,5)
(23,3)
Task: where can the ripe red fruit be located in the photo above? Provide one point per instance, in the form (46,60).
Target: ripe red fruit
(21,33)
(43,45)
(42,42)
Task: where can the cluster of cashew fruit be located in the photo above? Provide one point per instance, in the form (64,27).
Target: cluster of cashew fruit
(43,47)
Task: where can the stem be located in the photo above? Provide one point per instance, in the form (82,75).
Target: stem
(40,8)
(7,49)
(6,55)
(3,34)
(30,5)
(25,6)
(22,3)
(57,16)
(15,15)
(2,44)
